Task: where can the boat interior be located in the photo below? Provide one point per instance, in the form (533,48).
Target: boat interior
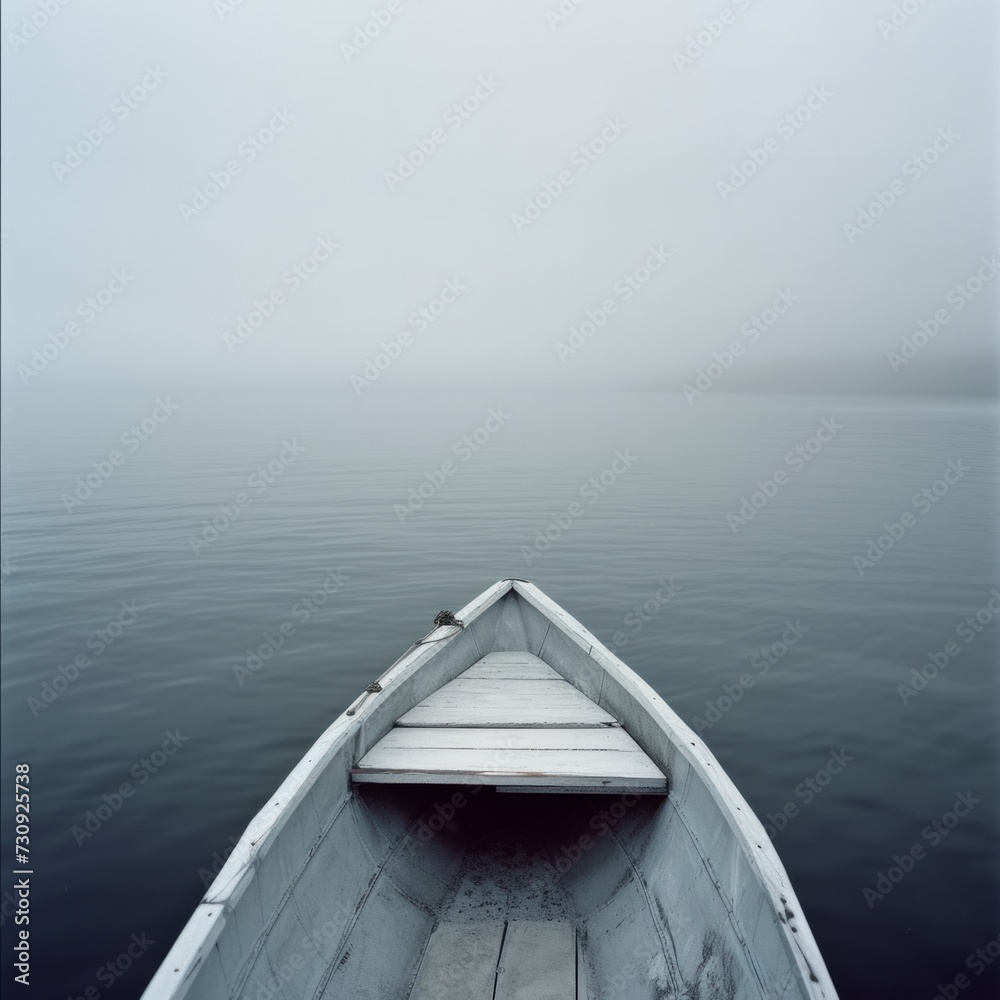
(496,824)
(507,795)
(512,814)
(501,896)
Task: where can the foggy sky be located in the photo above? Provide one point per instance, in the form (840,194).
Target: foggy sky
(209,76)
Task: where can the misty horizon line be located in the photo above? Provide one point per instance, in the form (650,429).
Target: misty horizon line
(988,389)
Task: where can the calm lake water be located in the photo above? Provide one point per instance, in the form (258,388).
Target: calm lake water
(161,604)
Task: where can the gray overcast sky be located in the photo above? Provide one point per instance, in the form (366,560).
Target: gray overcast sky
(880,95)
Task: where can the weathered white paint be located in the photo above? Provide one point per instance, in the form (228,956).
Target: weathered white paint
(519,688)
(571,768)
(511,666)
(501,740)
(686,891)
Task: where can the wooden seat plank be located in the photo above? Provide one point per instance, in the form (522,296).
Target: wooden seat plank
(583,768)
(407,738)
(510,725)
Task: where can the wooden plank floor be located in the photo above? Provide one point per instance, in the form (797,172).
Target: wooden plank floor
(460,962)
(538,961)
(511,666)
(510,721)
(527,960)
(504,703)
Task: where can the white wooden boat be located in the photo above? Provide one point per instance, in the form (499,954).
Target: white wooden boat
(621,862)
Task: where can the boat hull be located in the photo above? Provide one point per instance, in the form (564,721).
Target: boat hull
(337,888)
